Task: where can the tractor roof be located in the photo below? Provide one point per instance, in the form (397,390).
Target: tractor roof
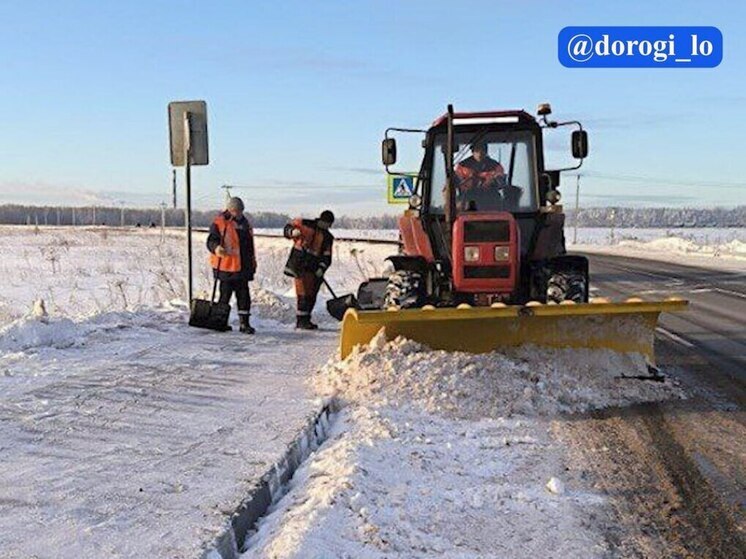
(486,117)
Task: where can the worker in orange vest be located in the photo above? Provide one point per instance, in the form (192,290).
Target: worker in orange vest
(233,258)
(309,259)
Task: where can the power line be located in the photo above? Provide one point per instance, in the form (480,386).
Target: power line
(664,181)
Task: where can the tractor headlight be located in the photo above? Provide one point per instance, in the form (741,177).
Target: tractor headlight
(471,254)
(502,253)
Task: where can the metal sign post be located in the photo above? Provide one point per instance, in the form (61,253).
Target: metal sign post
(188,177)
(188,134)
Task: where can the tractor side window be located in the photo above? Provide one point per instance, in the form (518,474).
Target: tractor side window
(523,177)
(438,195)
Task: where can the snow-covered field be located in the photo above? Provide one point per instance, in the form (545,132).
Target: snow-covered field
(709,247)
(126,434)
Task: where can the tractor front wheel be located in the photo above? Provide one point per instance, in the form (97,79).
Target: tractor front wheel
(567,285)
(405,290)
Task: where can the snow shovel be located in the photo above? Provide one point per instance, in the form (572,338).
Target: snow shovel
(337,306)
(209,314)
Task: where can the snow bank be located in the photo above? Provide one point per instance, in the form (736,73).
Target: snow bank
(732,249)
(32,332)
(398,483)
(527,380)
(451,455)
(708,247)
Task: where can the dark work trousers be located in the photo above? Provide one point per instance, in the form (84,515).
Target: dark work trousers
(306,290)
(241,288)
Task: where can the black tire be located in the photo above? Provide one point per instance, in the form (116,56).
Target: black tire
(567,285)
(405,290)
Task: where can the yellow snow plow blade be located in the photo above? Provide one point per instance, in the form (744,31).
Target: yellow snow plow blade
(623,327)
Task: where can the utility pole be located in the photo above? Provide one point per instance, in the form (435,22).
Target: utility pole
(93,219)
(173,186)
(577,209)
(58,216)
(227,189)
(163,220)
(73,214)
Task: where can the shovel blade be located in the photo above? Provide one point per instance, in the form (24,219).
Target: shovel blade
(338,306)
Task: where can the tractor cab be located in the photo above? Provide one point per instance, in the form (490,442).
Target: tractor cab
(495,165)
(485,219)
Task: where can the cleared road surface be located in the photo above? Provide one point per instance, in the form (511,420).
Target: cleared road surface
(714,325)
(681,464)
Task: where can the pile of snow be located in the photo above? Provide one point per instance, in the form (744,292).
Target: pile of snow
(439,454)
(34,332)
(269,305)
(397,483)
(527,380)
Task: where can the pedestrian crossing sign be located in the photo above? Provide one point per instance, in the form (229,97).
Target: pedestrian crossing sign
(400,188)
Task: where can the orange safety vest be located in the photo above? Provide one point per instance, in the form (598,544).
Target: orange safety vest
(311,239)
(231,262)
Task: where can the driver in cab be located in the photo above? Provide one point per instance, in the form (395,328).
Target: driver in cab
(479,170)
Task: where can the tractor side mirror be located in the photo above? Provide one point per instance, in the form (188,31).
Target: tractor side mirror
(579,143)
(388,151)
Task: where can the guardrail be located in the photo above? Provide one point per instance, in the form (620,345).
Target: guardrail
(346,239)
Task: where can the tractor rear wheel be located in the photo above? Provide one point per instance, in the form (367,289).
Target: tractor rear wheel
(405,290)
(567,285)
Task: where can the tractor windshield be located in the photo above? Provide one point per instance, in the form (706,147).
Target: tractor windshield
(493,171)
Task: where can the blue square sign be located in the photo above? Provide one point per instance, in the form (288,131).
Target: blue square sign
(400,188)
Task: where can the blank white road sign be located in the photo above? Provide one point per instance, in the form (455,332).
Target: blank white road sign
(198,118)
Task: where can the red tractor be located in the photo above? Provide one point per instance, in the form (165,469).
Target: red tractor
(484,225)
(483,263)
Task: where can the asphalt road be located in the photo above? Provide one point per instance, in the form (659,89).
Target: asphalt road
(715,323)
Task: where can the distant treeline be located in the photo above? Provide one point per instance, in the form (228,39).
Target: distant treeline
(659,217)
(14,214)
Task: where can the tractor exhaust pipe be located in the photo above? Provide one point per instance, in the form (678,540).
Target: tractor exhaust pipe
(450,209)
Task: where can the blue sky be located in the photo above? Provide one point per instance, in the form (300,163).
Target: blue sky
(299,94)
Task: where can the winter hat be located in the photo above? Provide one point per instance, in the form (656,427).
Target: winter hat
(235,203)
(327,217)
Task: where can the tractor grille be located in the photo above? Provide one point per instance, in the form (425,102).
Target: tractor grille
(486,272)
(486,231)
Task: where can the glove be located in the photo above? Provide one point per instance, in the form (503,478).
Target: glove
(320,272)
(295,233)
(220,251)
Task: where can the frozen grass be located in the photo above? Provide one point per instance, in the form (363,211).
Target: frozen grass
(81,272)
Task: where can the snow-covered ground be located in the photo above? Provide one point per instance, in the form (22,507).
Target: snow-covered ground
(442,454)
(126,434)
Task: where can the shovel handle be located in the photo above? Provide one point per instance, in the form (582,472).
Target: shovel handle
(329,287)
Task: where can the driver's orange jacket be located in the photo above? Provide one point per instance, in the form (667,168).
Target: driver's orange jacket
(478,174)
